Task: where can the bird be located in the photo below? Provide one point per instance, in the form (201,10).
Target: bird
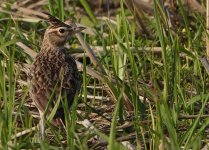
(54,75)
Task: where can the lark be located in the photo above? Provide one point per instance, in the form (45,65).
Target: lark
(54,76)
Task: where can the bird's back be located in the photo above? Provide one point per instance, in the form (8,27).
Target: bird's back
(54,71)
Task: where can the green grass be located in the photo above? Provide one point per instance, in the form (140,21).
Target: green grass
(155,99)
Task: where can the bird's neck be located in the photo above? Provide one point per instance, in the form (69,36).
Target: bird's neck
(50,46)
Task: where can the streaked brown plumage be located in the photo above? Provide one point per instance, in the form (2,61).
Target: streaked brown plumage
(54,69)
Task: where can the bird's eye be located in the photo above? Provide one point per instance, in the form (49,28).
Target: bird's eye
(61,30)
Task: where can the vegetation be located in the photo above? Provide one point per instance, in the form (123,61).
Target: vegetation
(146,87)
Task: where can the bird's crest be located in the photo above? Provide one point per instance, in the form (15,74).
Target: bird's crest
(53,21)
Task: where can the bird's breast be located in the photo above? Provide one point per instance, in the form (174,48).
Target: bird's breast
(52,68)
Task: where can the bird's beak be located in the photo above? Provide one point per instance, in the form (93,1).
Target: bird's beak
(76,29)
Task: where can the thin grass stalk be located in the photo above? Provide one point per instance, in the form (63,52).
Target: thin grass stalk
(176,78)
(138,108)
(138,15)
(89,11)
(12,84)
(119,55)
(3,123)
(186,23)
(61,9)
(111,141)
(56,134)
(164,51)
(49,104)
(51,7)
(23,99)
(207,27)
(8,92)
(153,136)
(163,109)
(72,127)
(90,53)
(190,132)
(84,80)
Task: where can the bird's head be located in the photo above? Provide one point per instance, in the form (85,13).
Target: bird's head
(58,32)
